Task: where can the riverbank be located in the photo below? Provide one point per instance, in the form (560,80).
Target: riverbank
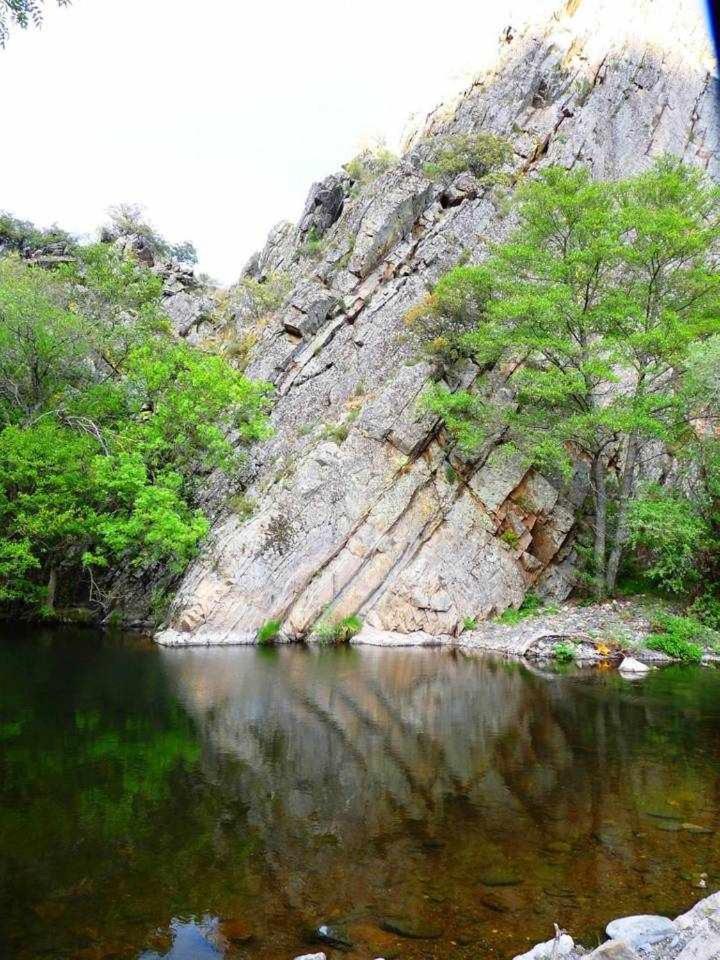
(585,634)
(694,935)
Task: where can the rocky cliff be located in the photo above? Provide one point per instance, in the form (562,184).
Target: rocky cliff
(359,502)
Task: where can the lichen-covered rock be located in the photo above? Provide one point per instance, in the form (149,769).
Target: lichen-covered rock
(362,504)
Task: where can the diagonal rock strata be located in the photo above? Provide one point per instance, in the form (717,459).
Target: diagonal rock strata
(362,506)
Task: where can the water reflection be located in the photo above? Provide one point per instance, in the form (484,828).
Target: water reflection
(462,790)
(190,941)
(257,794)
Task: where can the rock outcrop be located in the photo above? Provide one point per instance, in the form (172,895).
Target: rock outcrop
(694,935)
(361,504)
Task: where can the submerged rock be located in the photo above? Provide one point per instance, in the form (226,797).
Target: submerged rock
(410,928)
(500,877)
(236,931)
(333,936)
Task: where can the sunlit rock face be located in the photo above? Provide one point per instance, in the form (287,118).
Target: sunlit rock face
(356,508)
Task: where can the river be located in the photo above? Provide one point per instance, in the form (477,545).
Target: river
(176,803)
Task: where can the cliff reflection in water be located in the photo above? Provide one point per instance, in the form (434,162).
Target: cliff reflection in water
(479,796)
(221,802)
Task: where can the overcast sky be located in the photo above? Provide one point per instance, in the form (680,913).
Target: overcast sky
(216,115)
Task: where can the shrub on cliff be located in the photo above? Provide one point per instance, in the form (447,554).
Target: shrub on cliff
(599,310)
(438,326)
(25,238)
(483,154)
(370,164)
(108,423)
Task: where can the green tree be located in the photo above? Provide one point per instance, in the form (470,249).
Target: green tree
(22,13)
(107,423)
(595,311)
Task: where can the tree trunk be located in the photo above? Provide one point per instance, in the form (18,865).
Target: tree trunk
(598,469)
(52,589)
(627,484)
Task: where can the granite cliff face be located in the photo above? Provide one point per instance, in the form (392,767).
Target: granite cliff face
(360,503)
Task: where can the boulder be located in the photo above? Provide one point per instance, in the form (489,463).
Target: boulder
(187,311)
(614,950)
(634,667)
(642,931)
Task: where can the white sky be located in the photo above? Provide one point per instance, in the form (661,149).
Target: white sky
(216,115)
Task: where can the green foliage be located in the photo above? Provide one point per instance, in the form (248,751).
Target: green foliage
(128,220)
(314,245)
(263,297)
(482,154)
(440,324)
(510,538)
(22,13)
(531,605)
(706,609)
(107,423)
(268,632)
(470,623)
(26,239)
(370,164)
(450,473)
(670,533)
(336,432)
(242,506)
(679,637)
(339,631)
(183,252)
(564,652)
(600,309)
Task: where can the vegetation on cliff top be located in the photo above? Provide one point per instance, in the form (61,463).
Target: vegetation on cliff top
(108,422)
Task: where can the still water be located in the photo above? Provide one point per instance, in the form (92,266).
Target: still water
(217,803)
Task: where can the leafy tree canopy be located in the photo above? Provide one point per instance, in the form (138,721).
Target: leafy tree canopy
(600,317)
(23,13)
(107,423)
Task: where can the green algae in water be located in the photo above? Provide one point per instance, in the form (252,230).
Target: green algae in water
(155,797)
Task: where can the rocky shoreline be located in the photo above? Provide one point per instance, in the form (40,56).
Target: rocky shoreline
(610,632)
(694,935)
